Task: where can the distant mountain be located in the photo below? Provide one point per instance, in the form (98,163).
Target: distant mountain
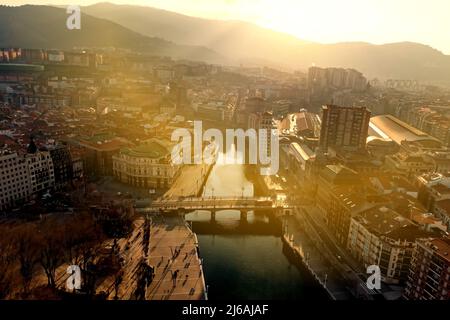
(235,39)
(247,42)
(403,60)
(45,27)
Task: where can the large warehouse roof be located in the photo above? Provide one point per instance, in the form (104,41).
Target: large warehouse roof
(389,127)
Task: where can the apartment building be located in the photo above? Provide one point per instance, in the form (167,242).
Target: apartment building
(24,175)
(14,180)
(380,236)
(429,277)
(41,171)
(344,128)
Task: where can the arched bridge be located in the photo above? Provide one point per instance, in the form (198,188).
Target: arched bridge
(214,204)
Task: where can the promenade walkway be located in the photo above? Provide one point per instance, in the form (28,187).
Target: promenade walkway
(174,255)
(316,257)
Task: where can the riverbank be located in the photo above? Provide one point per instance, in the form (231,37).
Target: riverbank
(253,175)
(307,251)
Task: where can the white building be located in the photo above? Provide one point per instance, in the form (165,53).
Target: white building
(14,180)
(22,176)
(148,165)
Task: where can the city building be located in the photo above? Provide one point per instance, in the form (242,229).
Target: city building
(266,123)
(380,236)
(425,182)
(148,165)
(321,79)
(433,120)
(281,107)
(24,175)
(254,104)
(340,194)
(212,110)
(302,124)
(62,164)
(429,276)
(409,163)
(442,211)
(440,159)
(41,171)
(379,144)
(388,126)
(344,128)
(100,149)
(14,180)
(164,73)
(299,160)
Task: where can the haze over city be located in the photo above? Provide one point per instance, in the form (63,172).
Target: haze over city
(325,21)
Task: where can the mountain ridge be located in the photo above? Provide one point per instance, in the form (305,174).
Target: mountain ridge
(36,26)
(244,41)
(166,33)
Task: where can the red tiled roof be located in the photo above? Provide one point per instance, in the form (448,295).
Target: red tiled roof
(444,205)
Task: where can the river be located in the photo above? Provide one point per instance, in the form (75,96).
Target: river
(245,259)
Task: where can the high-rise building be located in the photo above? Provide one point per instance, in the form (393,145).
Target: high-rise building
(429,277)
(322,79)
(178,94)
(344,128)
(266,123)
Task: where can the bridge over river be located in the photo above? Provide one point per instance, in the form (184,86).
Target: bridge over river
(215,204)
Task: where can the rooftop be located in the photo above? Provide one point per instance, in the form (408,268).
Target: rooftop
(444,205)
(442,247)
(153,149)
(104,142)
(339,174)
(425,219)
(387,126)
(441,188)
(382,220)
(302,150)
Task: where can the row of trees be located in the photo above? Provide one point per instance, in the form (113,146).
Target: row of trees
(46,244)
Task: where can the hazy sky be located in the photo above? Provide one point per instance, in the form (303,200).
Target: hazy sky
(376,21)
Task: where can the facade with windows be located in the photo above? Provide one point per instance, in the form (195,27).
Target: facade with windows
(429,277)
(24,175)
(14,180)
(380,236)
(41,171)
(148,165)
(344,128)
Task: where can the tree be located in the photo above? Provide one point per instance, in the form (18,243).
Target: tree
(82,239)
(118,279)
(51,250)
(7,258)
(27,252)
(116,223)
